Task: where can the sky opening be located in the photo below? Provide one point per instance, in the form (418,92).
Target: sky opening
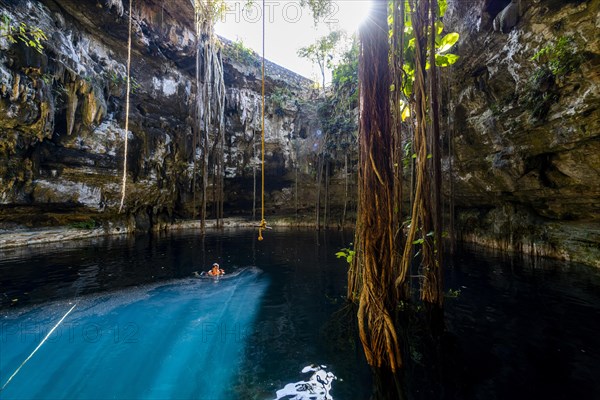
(288,27)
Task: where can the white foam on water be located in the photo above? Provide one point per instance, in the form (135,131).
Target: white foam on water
(317,387)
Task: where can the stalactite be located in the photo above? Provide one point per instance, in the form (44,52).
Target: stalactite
(117,4)
(72,103)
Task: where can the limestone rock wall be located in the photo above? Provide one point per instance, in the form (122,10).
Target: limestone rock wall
(62,116)
(521,115)
(523,122)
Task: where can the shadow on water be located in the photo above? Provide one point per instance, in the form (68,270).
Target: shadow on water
(514,328)
(522,328)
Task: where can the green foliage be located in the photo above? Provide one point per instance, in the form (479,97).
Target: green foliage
(118,80)
(242,54)
(442,6)
(319,8)
(554,62)
(345,74)
(210,10)
(278,98)
(29,35)
(133,84)
(561,58)
(447,41)
(47,79)
(346,253)
(87,224)
(442,45)
(337,108)
(541,92)
(322,51)
(453,293)
(445,60)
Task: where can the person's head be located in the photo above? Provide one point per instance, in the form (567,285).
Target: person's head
(215,265)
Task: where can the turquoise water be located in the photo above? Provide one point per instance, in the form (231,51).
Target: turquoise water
(144,328)
(277,327)
(178,340)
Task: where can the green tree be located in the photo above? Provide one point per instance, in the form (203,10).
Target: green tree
(337,114)
(322,52)
(319,8)
(407,71)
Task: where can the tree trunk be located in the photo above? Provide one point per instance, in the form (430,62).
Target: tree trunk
(397,61)
(426,207)
(375,234)
(433,289)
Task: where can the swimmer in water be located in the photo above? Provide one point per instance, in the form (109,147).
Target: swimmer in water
(216,271)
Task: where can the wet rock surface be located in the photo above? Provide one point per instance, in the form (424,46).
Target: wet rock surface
(524,124)
(63,114)
(521,110)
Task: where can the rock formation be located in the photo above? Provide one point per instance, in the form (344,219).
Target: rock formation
(523,116)
(62,113)
(521,111)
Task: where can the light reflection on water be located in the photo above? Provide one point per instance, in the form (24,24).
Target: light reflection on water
(307,287)
(180,339)
(317,387)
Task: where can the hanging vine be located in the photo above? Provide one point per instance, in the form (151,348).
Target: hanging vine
(380,263)
(210,105)
(397,103)
(127,95)
(433,289)
(425,52)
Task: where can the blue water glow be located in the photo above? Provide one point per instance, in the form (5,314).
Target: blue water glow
(173,340)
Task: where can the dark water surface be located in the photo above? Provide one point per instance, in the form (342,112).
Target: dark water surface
(143,328)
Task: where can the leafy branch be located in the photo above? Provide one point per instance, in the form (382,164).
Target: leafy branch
(29,35)
(443,43)
(346,253)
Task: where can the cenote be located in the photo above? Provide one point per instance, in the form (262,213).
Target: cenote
(144,327)
(147,127)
